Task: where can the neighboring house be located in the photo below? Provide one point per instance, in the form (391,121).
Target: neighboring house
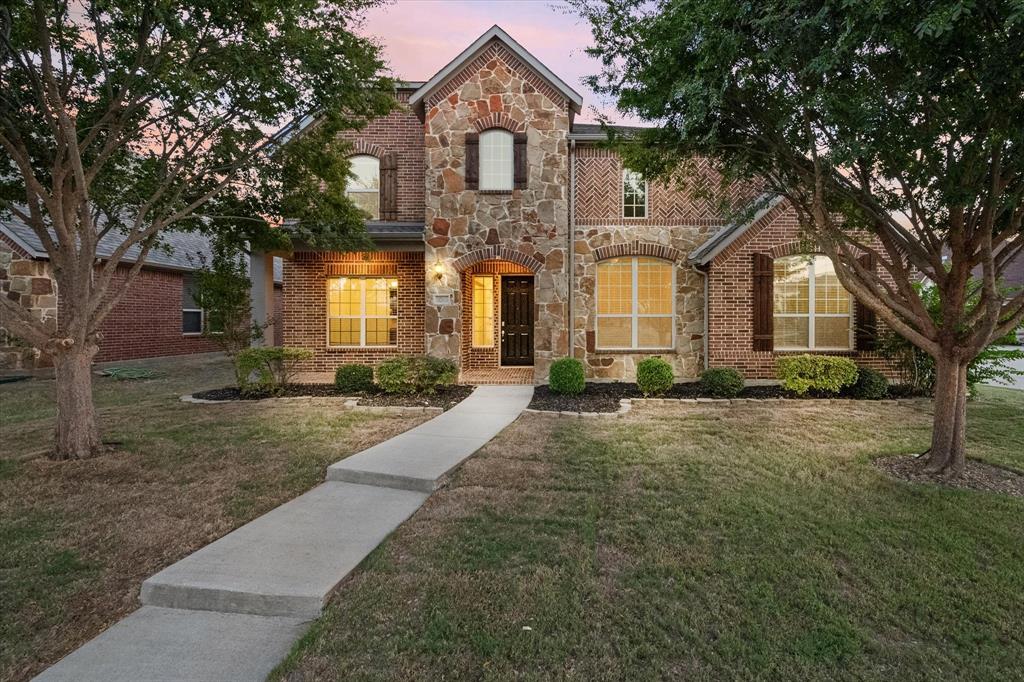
(508,237)
(156,317)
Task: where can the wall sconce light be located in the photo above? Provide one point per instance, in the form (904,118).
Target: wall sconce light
(438,270)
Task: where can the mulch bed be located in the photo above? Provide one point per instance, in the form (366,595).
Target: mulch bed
(444,398)
(977,475)
(604,397)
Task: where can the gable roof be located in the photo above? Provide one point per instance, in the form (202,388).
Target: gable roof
(706,252)
(416,100)
(184,251)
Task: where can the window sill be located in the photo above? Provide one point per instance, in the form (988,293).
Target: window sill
(495,192)
(831,351)
(351,348)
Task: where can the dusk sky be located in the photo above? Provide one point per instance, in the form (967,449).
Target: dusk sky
(421,36)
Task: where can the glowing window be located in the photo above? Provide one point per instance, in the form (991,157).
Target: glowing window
(483,311)
(362,311)
(635,304)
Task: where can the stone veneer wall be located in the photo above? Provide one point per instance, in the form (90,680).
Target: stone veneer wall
(677,222)
(731,298)
(532,221)
(305,305)
(28,282)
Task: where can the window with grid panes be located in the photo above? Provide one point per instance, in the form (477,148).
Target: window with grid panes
(812,310)
(634,195)
(483,311)
(362,311)
(635,304)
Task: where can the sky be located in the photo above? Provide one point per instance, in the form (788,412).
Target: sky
(421,36)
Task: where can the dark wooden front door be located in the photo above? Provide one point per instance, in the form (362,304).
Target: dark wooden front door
(517,320)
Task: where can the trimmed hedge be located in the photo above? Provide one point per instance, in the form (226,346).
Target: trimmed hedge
(821,373)
(722,382)
(870,385)
(654,376)
(416,374)
(567,376)
(354,378)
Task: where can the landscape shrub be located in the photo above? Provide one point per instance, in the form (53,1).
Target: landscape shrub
(267,369)
(354,378)
(416,374)
(654,376)
(566,376)
(721,382)
(870,385)
(821,373)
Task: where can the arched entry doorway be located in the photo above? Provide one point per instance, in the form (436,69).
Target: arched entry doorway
(498,317)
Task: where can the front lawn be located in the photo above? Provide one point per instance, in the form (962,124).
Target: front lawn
(697,542)
(78,538)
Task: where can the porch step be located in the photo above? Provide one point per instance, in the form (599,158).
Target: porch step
(288,561)
(420,458)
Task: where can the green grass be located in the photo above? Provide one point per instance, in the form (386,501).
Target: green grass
(707,543)
(78,538)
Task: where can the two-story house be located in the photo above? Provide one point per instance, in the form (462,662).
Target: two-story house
(508,237)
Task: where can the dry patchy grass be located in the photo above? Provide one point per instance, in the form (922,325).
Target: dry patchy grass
(78,538)
(708,542)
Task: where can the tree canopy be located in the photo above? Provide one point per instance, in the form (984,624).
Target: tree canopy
(893,128)
(129,117)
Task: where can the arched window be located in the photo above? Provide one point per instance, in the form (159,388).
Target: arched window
(363,186)
(496,160)
(635,304)
(812,310)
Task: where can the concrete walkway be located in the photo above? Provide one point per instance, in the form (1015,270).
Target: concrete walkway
(232,610)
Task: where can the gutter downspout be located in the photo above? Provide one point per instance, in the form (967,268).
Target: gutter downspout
(704,334)
(571,264)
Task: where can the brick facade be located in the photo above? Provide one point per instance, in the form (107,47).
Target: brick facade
(305,306)
(678,221)
(401,133)
(146,322)
(526,230)
(730,308)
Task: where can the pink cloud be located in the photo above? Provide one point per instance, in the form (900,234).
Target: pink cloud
(421,36)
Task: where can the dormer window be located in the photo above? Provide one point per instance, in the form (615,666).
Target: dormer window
(496,160)
(363,186)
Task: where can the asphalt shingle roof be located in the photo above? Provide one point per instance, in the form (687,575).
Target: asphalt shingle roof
(180,251)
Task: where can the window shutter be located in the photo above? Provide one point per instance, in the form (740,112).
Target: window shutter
(866,331)
(519,160)
(763,304)
(472,160)
(389,187)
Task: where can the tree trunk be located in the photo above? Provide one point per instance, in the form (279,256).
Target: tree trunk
(78,435)
(949,426)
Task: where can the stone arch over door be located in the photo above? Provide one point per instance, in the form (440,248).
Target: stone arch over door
(465,262)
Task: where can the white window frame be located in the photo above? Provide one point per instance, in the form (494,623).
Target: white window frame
(485,147)
(810,314)
(202,321)
(626,172)
(363,190)
(361,316)
(634,315)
